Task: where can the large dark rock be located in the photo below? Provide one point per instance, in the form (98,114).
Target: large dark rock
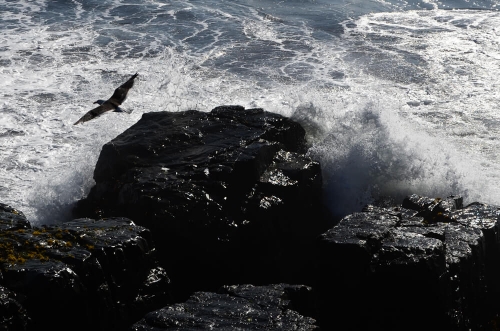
(227,194)
(244,307)
(429,264)
(83,274)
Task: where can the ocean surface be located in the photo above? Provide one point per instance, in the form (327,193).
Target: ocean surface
(397,96)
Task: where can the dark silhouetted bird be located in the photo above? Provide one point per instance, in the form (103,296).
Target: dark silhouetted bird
(112,103)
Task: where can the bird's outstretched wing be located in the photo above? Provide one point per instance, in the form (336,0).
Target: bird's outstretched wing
(120,93)
(112,103)
(106,106)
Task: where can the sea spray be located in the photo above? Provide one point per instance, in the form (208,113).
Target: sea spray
(372,154)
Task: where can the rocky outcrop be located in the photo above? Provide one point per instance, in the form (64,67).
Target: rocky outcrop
(244,307)
(226,194)
(429,264)
(229,197)
(83,274)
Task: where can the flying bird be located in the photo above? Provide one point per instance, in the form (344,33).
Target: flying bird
(112,103)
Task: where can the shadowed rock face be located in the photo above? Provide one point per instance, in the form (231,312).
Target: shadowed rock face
(90,274)
(241,307)
(226,194)
(13,316)
(429,264)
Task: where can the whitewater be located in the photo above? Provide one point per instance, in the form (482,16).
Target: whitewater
(396,98)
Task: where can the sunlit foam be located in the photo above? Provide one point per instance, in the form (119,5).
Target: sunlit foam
(371,153)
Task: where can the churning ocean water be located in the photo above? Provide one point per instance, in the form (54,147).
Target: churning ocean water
(397,97)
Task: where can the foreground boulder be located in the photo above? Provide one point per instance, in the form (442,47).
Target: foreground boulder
(83,274)
(244,307)
(430,264)
(228,195)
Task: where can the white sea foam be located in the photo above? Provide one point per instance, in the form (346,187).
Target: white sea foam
(425,117)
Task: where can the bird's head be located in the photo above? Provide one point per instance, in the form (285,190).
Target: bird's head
(100,102)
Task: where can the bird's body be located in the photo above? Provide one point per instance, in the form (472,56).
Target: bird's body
(112,103)
(117,109)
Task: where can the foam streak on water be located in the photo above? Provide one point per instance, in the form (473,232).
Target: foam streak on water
(394,102)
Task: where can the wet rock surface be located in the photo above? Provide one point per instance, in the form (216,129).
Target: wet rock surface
(226,194)
(229,197)
(244,307)
(90,274)
(428,264)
